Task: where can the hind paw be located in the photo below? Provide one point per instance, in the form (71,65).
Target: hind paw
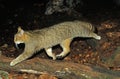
(59,57)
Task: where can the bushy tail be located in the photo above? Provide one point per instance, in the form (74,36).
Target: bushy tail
(96,36)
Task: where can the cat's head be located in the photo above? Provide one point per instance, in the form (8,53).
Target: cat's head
(20,36)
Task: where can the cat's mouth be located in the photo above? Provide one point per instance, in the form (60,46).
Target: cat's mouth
(17,44)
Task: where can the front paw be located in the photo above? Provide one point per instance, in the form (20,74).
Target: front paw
(12,63)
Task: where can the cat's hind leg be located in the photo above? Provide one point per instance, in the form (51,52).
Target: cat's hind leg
(49,53)
(66,48)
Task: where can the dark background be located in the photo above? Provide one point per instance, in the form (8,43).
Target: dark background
(30,13)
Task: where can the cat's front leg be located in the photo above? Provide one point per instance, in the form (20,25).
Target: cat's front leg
(21,58)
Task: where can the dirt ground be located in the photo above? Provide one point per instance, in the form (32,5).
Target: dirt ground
(104,53)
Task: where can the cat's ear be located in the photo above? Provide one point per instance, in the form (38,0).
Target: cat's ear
(20,30)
